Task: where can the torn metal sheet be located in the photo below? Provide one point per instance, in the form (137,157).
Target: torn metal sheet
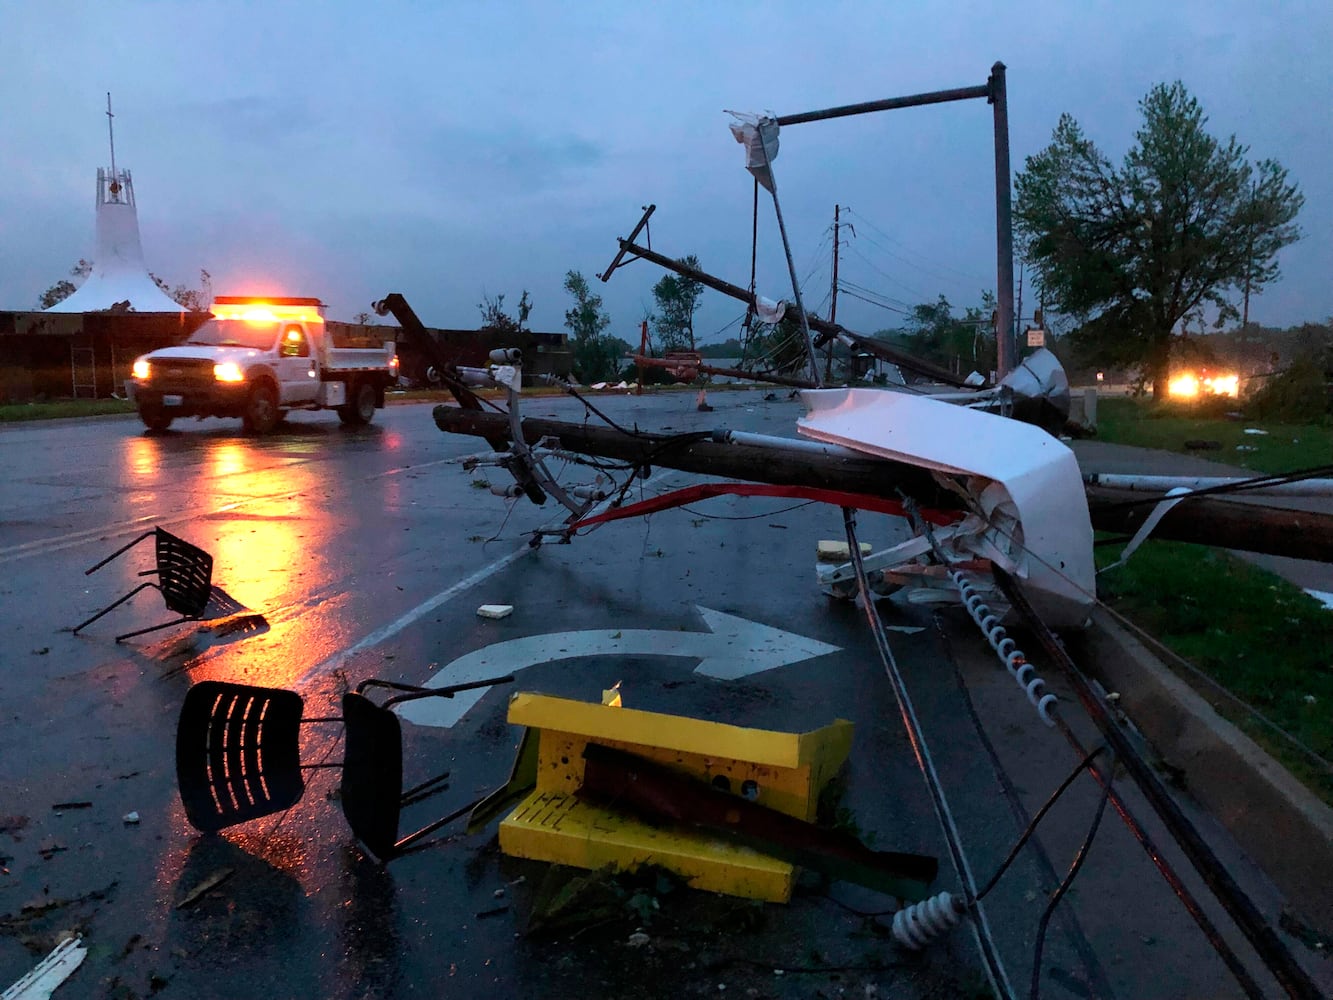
(1023,486)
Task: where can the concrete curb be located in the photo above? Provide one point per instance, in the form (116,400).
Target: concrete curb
(1280,824)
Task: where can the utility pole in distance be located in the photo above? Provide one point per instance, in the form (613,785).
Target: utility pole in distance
(833,296)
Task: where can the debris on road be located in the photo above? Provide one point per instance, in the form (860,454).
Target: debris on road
(206,886)
(495,611)
(50,972)
(758,788)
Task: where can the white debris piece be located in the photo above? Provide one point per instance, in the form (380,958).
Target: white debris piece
(1324,597)
(49,973)
(495,611)
(1254,430)
(131,817)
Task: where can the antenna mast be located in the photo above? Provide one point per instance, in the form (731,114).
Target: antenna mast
(111,134)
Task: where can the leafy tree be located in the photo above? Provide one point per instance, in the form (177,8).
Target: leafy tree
(494,317)
(677,301)
(596,355)
(964,343)
(64,288)
(193,299)
(1185,223)
(776,347)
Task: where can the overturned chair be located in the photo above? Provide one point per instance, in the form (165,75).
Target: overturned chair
(184,578)
(238,758)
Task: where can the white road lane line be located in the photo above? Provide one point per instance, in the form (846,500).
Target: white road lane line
(421,610)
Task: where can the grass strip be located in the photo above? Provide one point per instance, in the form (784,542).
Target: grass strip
(1168,426)
(1260,637)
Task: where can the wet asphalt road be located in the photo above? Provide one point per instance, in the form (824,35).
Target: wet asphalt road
(368,553)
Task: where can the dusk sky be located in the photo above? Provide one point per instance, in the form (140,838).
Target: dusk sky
(452,151)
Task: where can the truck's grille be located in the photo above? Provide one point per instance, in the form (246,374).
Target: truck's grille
(181,375)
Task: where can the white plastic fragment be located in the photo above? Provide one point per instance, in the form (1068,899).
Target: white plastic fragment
(131,817)
(49,973)
(495,611)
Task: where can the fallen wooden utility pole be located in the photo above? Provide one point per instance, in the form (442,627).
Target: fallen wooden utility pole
(822,326)
(643,361)
(784,461)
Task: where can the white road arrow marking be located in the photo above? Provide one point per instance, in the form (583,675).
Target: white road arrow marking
(733,647)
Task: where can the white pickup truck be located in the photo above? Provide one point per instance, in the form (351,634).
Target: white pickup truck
(256,359)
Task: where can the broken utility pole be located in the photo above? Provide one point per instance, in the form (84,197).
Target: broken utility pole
(798,462)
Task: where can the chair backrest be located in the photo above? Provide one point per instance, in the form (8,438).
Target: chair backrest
(185,574)
(238,753)
(372,778)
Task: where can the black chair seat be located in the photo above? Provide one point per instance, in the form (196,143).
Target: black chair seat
(238,753)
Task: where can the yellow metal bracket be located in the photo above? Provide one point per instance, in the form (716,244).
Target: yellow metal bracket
(783,771)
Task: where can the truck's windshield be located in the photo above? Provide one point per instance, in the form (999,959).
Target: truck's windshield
(235,333)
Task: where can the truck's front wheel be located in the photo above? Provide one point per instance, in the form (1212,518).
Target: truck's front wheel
(261,409)
(155,418)
(360,409)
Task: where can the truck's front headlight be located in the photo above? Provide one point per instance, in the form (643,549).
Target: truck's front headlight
(228,371)
(142,370)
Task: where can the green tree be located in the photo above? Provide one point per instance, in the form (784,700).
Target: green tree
(933,333)
(193,299)
(677,301)
(494,317)
(64,288)
(596,355)
(776,347)
(1185,223)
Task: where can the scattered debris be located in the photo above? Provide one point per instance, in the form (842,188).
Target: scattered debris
(130,818)
(494,911)
(1254,430)
(12,824)
(41,651)
(495,611)
(50,972)
(62,806)
(205,887)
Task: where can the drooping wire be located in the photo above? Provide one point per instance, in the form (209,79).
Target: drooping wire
(916,738)
(1205,924)
(1194,671)
(1037,817)
(749,517)
(1034,992)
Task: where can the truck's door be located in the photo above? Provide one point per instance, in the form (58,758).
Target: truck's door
(297,371)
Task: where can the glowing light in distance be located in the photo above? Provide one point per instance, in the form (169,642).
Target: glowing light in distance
(228,371)
(142,368)
(1183,386)
(1187,385)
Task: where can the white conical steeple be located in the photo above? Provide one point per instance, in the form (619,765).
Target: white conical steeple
(119,274)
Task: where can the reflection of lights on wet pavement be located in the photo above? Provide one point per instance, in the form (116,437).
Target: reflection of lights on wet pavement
(143,455)
(228,459)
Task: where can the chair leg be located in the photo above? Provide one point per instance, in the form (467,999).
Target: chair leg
(425,790)
(112,606)
(121,550)
(401,846)
(154,628)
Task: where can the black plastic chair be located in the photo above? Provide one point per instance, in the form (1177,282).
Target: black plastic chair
(184,578)
(238,758)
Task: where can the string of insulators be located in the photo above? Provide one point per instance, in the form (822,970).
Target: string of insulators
(1005,648)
